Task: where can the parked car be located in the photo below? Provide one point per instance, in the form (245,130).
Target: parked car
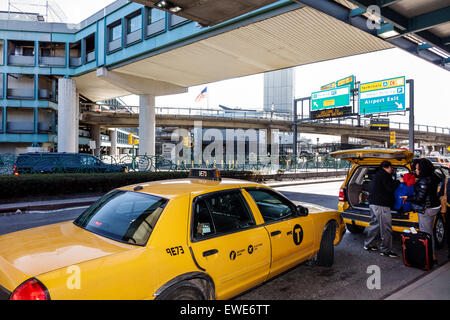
(196,238)
(354,192)
(441,160)
(62,162)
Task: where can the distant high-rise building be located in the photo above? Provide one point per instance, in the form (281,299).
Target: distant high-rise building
(279,90)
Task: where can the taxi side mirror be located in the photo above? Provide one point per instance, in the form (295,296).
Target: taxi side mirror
(302,211)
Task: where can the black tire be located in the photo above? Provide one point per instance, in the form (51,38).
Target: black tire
(182,291)
(354,228)
(439,231)
(325,256)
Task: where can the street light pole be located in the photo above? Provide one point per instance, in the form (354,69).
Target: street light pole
(411,114)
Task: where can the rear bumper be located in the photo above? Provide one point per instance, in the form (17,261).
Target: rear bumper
(398,225)
(4,293)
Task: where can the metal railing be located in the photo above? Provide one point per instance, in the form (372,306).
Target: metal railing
(219,113)
(354,122)
(286,163)
(139,163)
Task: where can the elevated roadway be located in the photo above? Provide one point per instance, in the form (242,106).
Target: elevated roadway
(185,118)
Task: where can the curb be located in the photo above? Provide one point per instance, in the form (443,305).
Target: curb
(413,289)
(11,209)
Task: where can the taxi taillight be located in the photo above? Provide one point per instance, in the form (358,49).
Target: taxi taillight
(341,194)
(32,289)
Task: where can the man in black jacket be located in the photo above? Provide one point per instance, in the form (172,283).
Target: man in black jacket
(381,199)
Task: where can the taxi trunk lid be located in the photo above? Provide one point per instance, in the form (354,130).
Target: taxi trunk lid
(32,252)
(375,156)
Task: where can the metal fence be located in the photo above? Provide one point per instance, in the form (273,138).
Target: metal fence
(73,164)
(286,163)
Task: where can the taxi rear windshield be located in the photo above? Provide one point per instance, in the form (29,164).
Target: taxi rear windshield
(123,216)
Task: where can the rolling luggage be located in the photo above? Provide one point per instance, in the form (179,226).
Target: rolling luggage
(417,250)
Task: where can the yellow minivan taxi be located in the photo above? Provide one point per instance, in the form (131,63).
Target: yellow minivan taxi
(354,192)
(202,237)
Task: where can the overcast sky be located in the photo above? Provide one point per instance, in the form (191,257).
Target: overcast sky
(432,83)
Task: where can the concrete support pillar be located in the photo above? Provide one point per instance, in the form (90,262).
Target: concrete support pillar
(77,122)
(269,138)
(67,116)
(344,139)
(147,125)
(113,138)
(95,135)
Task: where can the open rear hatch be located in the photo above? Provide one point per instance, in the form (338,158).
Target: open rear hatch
(368,161)
(375,156)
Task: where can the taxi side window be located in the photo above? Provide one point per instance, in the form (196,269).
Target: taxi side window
(203,225)
(271,205)
(219,213)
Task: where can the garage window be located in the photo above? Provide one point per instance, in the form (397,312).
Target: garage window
(221,213)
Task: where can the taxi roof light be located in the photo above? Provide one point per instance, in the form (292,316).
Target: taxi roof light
(210,174)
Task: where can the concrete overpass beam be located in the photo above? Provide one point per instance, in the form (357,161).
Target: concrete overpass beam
(138,85)
(68,115)
(147,125)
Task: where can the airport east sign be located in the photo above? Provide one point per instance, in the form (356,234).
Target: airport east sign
(382,96)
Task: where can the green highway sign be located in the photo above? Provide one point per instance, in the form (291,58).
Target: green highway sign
(350,80)
(331,98)
(382,96)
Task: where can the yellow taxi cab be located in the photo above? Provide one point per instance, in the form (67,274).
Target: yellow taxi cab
(354,192)
(202,237)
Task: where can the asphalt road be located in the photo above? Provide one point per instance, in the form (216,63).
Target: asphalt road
(346,279)
(352,268)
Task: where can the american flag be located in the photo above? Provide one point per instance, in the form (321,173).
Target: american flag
(202,95)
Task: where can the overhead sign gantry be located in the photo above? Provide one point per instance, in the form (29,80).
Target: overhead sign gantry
(382,96)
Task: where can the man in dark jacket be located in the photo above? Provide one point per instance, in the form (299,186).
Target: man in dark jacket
(381,199)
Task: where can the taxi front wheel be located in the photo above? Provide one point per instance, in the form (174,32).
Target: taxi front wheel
(325,256)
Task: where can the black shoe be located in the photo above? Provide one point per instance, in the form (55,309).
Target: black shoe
(370,248)
(389,254)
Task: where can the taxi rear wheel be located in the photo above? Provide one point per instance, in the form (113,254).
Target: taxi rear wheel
(439,231)
(325,256)
(184,290)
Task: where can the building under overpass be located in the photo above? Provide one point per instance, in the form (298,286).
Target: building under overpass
(129,48)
